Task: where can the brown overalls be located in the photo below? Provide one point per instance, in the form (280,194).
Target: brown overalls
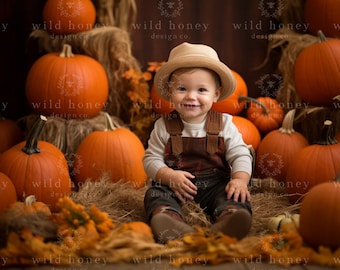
(203,157)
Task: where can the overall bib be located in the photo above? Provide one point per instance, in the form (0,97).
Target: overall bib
(203,157)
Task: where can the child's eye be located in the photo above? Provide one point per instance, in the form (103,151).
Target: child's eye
(181,88)
(202,90)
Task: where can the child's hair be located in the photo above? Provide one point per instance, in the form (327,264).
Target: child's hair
(180,71)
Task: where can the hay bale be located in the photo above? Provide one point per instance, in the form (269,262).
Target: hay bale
(67,134)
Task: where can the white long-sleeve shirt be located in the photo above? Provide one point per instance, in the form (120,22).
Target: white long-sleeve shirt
(237,152)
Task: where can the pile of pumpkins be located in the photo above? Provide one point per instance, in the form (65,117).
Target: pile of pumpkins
(73,87)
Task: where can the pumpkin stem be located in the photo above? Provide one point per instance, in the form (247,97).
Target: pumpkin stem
(29,200)
(31,146)
(321,36)
(254,100)
(327,134)
(109,123)
(66,51)
(288,121)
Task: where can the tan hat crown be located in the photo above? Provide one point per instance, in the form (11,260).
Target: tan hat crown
(188,55)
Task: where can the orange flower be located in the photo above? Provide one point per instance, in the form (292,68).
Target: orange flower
(154,66)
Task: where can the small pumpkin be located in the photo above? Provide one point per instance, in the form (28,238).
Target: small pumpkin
(8,195)
(265,112)
(67,85)
(316,72)
(233,104)
(283,222)
(37,168)
(314,164)
(32,205)
(69,16)
(138,227)
(159,104)
(319,216)
(277,148)
(10,134)
(116,151)
(250,133)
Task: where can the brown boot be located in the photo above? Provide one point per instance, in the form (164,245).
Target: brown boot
(234,222)
(167,225)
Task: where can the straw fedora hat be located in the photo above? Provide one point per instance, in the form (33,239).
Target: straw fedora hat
(194,55)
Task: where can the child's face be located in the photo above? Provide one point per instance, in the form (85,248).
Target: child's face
(193,93)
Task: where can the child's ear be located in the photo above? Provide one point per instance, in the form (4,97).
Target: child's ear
(217,94)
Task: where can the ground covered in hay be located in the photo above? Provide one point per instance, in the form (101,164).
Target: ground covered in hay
(123,203)
(104,222)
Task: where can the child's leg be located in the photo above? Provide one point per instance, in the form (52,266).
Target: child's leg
(232,218)
(164,213)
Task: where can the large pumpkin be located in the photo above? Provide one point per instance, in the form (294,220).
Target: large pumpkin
(277,149)
(319,216)
(265,112)
(10,134)
(232,104)
(37,168)
(68,16)
(314,164)
(67,85)
(250,133)
(323,14)
(117,152)
(316,72)
(8,195)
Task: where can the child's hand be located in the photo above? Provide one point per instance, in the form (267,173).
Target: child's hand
(238,188)
(182,186)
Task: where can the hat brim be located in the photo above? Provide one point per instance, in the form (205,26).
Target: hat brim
(227,78)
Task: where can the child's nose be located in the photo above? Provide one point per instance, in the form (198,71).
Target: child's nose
(190,95)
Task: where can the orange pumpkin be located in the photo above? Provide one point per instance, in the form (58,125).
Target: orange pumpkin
(249,131)
(314,164)
(8,195)
(67,85)
(117,152)
(10,134)
(69,16)
(159,104)
(322,14)
(265,112)
(138,227)
(232,104)
(37,168)
(316,72)
(319,216)
(32,205)
(277,149)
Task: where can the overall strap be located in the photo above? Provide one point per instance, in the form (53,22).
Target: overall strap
(213,126)
(174,127)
